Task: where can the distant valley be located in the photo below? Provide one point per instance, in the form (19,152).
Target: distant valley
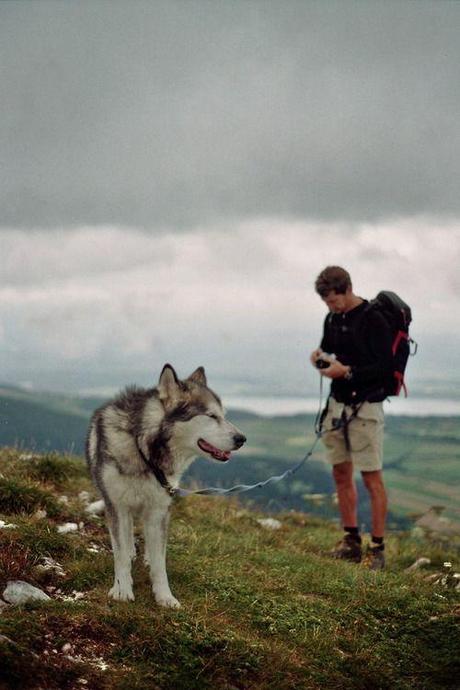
(422,455)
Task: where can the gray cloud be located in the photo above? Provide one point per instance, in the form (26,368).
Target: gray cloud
(157,114)
(241,303)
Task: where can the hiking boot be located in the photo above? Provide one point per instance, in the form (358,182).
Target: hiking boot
(348,549)
(374,558)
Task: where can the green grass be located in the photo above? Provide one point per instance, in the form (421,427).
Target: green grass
(17,496)
(260,609)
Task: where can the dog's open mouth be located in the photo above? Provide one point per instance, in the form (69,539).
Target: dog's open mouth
(216,453)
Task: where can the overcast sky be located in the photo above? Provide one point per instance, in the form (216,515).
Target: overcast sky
(174,175)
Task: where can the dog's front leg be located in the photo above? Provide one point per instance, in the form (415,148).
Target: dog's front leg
(121,534)
(156,532)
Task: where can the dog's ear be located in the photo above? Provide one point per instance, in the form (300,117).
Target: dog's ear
(168,385)
(198,376)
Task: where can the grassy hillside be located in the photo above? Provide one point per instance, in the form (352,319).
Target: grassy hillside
(42,421)
(261,609)
(422,455)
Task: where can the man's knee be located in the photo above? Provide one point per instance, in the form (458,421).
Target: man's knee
(373,481)
(343,473)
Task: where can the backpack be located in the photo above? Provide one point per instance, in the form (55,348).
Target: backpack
(398,316)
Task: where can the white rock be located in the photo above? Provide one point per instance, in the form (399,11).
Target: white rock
(4,525)
(95,508)
(84,496)
(19,592)
(433,521)
(73,597)
(100,663)
(67,527)
(269,523)
(50,565)
(316,498)
(40,514)
(419,563)
(63,499)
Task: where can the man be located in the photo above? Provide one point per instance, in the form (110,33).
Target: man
(360,341)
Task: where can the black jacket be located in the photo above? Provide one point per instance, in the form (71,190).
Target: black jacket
(361,339)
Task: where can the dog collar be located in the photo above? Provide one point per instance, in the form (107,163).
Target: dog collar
(158,472)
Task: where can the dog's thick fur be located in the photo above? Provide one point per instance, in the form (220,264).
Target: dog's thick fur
(143,435)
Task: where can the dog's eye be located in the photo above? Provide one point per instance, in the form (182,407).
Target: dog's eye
(213,416)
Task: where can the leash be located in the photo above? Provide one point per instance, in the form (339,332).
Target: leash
(240,488)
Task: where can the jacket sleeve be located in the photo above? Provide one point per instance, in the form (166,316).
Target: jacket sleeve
(326,342)
(378,347)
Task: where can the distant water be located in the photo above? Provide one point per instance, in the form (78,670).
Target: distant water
(419,407)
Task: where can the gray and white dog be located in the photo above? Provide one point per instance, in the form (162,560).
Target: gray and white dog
(138,447)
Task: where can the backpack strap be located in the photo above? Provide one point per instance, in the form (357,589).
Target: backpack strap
(345,421)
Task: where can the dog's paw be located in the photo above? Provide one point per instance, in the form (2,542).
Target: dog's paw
(167,600)
(121,594)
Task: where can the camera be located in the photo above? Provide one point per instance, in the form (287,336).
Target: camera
(324,360)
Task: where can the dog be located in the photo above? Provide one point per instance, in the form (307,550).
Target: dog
(138,446)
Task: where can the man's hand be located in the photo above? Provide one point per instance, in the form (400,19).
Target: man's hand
(336,370)
(314,355)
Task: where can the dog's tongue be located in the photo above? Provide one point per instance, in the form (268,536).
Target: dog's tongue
(215,452)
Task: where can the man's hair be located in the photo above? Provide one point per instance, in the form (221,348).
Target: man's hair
(332,278)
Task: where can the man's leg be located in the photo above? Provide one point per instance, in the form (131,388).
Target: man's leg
(346,493)
(373,482)
(349,547)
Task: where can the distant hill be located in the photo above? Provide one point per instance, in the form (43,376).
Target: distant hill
(42,421)
(422,455)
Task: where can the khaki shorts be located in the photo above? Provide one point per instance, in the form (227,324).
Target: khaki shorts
(365,433)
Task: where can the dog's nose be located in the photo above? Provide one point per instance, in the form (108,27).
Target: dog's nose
(238,440)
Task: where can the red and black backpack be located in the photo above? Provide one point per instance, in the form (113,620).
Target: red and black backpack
(398,316)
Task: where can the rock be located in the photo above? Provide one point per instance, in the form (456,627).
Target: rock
(316,498)
(19,592)
(67,527)
(4,525)
(419,563)
(48,565)
(95,508)
(40,514)
(269,523)
(84,497)
(73,597)
(63,499)
(433,521)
